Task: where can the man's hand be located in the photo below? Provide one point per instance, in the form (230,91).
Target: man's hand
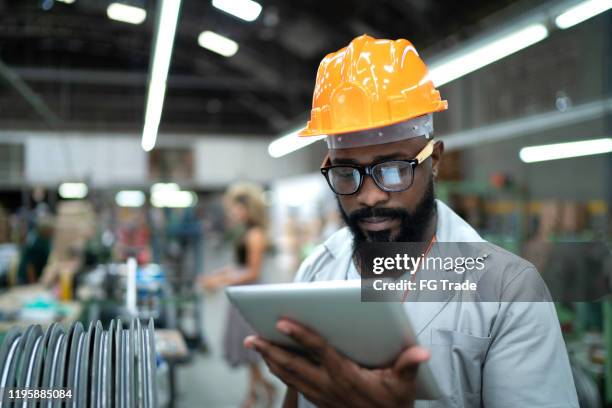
(329,379)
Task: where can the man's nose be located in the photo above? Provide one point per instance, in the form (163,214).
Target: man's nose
(370,194)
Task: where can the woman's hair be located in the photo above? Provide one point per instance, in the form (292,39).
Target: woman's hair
(251,196)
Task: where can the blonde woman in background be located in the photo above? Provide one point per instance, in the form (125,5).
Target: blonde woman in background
(246,211)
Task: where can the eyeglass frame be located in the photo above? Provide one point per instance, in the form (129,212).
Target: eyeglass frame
(364,171)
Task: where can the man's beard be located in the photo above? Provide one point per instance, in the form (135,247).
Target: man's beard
(412,227)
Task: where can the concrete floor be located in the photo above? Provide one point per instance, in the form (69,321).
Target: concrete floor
(207,381)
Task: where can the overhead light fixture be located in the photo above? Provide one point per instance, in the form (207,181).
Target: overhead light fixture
(170,195)
(247,10)
(471,60)
(533,154)
(73,190)
(582,12)
(162,54)
(173,199)
(125,13)
(217,43)
(130,198)
(164,187)
(290,143)
(66,1)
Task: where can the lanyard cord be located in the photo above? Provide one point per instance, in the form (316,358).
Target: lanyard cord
(407,291)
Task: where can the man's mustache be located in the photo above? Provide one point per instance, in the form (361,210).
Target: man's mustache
(379,212)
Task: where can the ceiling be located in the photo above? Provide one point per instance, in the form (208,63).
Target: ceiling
(88,72)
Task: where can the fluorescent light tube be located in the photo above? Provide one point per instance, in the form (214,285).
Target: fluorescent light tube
(217,43)
(247,10)
(162,54)
(73,190)
(533,154)
(173,199)
(125,13)
(290,143)
(472,60)
(130,198)
(164,187)
(582,12)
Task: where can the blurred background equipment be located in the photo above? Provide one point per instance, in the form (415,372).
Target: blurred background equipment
(124,122)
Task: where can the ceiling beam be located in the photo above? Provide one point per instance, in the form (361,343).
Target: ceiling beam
(139,79)
(31,97)
(527,125)
(264,110)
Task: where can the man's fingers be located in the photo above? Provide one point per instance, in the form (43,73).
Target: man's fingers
(312,342)
(295,371)
(307,338)
(410,359)
(249,342)
(294,380)
(399,380)
(286,359)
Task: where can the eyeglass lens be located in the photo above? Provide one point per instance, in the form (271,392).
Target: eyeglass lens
(393,176)
(390,176)
(344,180)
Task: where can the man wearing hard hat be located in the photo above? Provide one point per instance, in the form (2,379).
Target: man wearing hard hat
(374,101)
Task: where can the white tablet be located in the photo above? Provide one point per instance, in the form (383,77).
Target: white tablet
(370,333)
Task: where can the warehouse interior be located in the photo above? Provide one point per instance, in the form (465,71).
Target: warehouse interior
(116,155)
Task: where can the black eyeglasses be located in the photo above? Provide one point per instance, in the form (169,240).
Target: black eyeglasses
(392,176)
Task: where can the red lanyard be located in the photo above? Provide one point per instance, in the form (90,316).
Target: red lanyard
(433,239)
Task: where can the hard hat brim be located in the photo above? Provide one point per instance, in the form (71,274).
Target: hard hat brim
(306,132)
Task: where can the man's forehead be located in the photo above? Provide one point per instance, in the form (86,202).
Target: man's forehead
(404,148)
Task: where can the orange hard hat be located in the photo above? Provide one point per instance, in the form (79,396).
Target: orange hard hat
(369,84)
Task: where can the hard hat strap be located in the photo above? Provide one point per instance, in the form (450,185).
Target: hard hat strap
(419,126)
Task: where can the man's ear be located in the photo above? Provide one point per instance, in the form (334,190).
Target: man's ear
(436,157)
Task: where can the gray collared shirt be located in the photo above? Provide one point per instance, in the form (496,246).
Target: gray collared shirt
(483,354)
